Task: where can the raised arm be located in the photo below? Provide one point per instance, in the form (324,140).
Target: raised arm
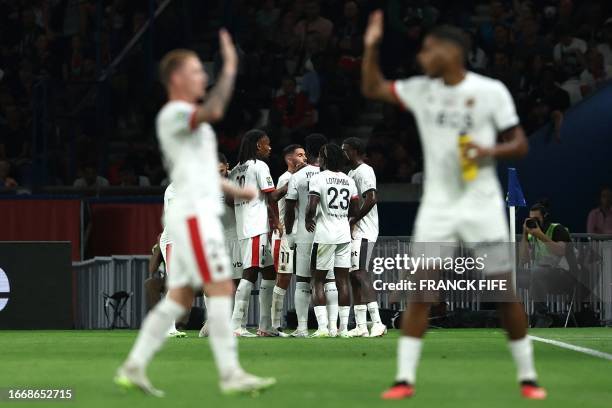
(231,191)
(373,83)
(213,108)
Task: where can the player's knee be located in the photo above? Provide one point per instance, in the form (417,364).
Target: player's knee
(222,288)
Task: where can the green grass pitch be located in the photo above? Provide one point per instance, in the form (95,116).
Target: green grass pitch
(459,368)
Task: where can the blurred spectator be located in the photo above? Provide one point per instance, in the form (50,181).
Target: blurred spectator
(599,220)
(129,178)
(569,51)
(314,23)
(547,101)
(477,59)
(5,180)
(348,33)
(605,47)
(267,18)
(292,107)
(596,73)
(90,178)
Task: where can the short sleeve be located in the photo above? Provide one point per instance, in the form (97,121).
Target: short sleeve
(367,181)
(264,178)
(504,111)
(407,91)
(178,118)
(314,186)
(292,192)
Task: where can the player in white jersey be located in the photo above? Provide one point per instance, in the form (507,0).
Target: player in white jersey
(332,199)
(189,149)
(301,239)
(255,220)
(165,246)
(364,228)
(462,198)
(228,220)
(282,253)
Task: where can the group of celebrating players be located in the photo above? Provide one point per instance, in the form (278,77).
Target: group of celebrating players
(323,218)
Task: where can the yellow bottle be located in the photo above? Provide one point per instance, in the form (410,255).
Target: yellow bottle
(469,167)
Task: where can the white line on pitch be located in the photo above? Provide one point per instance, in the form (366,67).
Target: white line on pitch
(585,350)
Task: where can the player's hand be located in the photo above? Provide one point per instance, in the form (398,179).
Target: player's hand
(310,225)
(374,31)
(299,166)
(228,52)
(472,151)
(246,193)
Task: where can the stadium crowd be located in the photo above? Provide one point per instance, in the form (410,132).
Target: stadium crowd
(299,73)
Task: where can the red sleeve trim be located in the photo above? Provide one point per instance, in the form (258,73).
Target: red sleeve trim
(192,120)
(268,190)
(397,97)
(355,197)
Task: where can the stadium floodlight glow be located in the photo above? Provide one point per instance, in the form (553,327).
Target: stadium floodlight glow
(5,289)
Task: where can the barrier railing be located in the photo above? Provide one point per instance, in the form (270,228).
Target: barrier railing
(127,273)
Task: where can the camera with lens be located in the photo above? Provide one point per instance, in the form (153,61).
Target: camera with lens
(531,223)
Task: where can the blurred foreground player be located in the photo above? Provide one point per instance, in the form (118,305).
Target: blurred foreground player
(189,148)
(462,198)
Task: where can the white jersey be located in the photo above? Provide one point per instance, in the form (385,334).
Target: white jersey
(252,216)
(336,190)
(168,198)
(229,222)
(365,181)
(298,191)
(478,105)
(191,158)
(282,206)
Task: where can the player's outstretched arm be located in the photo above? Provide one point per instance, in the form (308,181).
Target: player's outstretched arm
(213,108)
(373,83)
(279,193)
(231,190)
(273,220)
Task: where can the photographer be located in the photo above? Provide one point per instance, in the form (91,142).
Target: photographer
(545,245)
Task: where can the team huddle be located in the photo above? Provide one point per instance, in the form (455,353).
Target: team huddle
(314,224)
(226,229)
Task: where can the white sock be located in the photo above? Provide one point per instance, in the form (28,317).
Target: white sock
(205,306)
(241,302)
(154,331)
(222,341)
(265,304)
(321,313)
(360,315)
(278,300)
(331,300)
(373,309)
(302,302)
(522,352)
(245,316)
(344,317)
(408,355)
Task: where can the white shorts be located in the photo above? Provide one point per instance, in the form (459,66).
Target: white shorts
(197,255)
(282,254)
(326,257)
(233,250)
(482,226)
(361,252)
(302,263)
(256,251)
